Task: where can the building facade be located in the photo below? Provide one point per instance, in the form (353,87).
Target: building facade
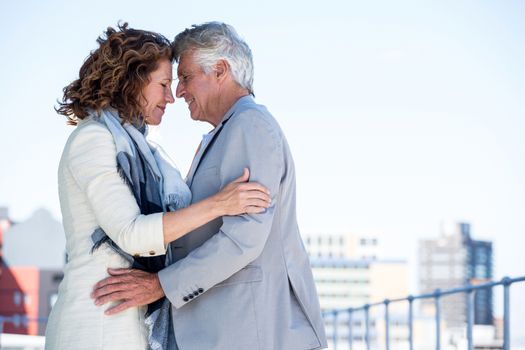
(31,262)
(349,272)
(454,260)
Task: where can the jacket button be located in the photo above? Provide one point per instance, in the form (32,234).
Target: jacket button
(190,296)
(195,293)
(200,290)
(151,252)
(185,299)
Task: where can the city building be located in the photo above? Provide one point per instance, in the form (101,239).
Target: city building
(31,262)
(452,260)
(37,241)
(26,296)
(349,272)
(344,245)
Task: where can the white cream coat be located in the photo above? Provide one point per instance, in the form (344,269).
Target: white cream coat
(92,195)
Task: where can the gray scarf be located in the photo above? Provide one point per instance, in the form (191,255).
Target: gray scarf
(157,187)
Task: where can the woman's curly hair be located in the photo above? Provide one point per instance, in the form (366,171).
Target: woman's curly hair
(115,74)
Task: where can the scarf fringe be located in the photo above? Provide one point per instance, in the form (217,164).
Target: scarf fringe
(100,242)
(176,201)
(122,174)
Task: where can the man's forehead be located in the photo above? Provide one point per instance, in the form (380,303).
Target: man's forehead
(186,62)
(185,59)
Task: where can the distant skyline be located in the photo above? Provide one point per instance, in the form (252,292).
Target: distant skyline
(400,115)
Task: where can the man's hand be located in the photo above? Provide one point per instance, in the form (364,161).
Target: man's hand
(130,286)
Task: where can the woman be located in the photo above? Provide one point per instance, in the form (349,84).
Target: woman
(115,187)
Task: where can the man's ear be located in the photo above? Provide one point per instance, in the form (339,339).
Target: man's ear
(221,69)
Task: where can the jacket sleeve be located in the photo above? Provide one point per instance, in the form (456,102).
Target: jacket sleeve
(250,141)
(92,163)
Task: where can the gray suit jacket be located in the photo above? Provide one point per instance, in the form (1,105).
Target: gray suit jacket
(244,282)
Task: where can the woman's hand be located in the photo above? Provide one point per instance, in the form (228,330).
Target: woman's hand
(242,197)
(236,198)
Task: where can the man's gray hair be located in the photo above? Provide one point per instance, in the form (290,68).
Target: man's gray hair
(214,41)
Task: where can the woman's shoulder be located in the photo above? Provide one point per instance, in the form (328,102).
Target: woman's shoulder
(89,126)
(89,134)
(89,129)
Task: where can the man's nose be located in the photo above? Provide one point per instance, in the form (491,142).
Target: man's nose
(179,92)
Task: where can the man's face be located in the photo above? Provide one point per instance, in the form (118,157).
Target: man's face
(199,90)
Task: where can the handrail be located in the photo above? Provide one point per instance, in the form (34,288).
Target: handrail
(469,290)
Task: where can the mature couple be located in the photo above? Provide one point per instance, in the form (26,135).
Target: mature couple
(213,262)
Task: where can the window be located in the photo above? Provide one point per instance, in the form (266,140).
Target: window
(17,298)
(481,271)
(440,272)
(27,299)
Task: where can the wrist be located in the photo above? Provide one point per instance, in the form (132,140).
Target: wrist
(216,207)
(160,292)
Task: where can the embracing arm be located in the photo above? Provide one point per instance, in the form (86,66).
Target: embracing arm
(92,163)
(240,240)
(236,198)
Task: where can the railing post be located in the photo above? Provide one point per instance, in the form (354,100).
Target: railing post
(367,328)
(387,322)
(350,324)
(506,312)
(334,334)
(410,322)
(470,317)
(437,294)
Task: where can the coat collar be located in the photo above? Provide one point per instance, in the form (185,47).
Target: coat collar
(213,135)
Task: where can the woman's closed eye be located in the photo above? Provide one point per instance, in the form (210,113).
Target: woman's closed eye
(165,83)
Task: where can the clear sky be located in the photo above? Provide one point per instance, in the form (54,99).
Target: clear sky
(400,114)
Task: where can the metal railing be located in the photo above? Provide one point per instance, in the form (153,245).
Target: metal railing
(468,290)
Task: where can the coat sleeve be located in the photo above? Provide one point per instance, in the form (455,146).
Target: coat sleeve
(92,163)
(253,141)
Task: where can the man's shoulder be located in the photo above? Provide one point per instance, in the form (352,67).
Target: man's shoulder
(253,114)
(250,104)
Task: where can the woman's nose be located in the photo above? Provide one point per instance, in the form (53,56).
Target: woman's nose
(169,97)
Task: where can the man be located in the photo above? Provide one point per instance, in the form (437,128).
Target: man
(239,282)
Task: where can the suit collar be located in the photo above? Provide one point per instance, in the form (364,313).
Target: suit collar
(241,101)
(213,135)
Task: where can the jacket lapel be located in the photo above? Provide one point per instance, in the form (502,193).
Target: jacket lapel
(203,150)
(214,133)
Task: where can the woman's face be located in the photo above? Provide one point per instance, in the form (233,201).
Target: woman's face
(157,93)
